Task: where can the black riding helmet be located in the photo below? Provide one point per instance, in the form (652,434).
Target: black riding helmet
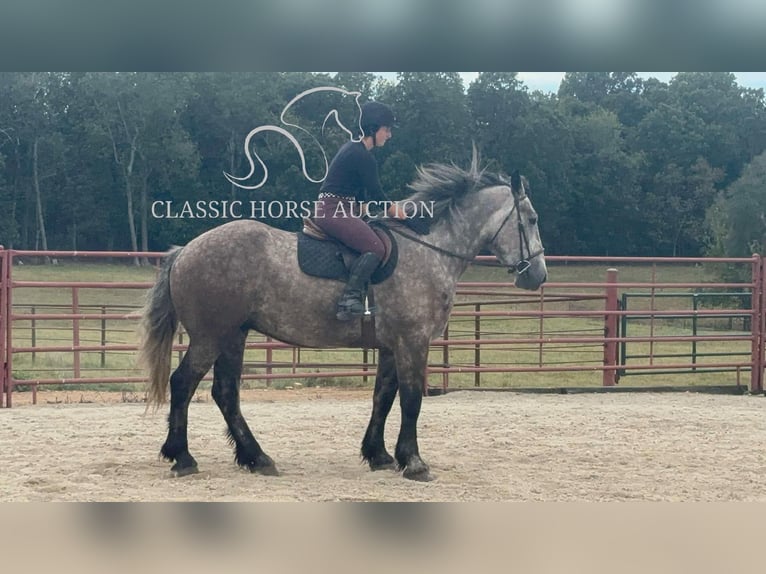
(374,116)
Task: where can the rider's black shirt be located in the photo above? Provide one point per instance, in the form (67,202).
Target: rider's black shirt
(353,173)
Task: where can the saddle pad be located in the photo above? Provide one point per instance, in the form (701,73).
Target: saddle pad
(321,258)
(330,259)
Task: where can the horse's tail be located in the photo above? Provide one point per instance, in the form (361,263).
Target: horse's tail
(158,327)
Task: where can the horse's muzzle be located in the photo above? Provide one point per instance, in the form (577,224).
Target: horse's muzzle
(529,276)
(529,281)
(521,267)
(524,265)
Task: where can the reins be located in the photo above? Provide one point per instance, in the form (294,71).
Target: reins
(430,245)
(520,267)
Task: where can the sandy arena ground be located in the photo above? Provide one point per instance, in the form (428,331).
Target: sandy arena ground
(480,446)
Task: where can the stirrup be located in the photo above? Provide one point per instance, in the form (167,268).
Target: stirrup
(346,313)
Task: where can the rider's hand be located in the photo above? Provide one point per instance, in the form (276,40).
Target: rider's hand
(396,211)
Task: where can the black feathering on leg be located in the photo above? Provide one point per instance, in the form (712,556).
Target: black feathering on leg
(386,384)
(226,374)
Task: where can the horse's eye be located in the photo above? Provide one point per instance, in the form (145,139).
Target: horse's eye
(533,221)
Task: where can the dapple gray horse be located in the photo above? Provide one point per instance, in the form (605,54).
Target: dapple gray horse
(244,275)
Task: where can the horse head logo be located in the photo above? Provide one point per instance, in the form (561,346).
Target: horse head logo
(285,130)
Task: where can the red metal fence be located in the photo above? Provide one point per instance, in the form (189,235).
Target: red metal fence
(576,331)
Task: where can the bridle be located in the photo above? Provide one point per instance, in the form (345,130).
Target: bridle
(523,264)
(520,267)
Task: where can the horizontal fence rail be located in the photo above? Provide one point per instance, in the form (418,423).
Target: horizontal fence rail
(592,325)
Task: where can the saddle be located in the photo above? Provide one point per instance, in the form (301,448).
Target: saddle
(322,256)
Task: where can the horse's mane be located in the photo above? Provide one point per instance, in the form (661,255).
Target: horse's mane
(446,184)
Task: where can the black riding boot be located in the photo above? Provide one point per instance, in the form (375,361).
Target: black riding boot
(351,303)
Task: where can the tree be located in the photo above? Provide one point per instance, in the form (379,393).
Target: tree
(395,173)
(28,123)
(737,218)
(676,207)
(87,204)
(8,228)
(363,82)
(733,117)
(604,204)
(500,107)
(616,164)
(139,116)
(618,92)
(528,132)
(434,122)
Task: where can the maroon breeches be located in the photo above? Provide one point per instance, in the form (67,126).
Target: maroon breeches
(350,230)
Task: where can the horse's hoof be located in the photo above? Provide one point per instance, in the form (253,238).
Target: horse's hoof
(417,470)
(420,475)
(263,465)
(179,471)
(382,462)
(268,470)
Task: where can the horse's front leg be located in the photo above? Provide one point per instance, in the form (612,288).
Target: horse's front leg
(411,363)
(386,384)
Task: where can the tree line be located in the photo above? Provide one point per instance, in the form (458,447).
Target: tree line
(618,165)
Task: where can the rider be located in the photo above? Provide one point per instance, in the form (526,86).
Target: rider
(353,177)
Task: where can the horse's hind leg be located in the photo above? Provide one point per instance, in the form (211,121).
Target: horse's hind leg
(183,383)
(411,363)
(226,376)
(386,384)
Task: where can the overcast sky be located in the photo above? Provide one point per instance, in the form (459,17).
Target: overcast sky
(549,81)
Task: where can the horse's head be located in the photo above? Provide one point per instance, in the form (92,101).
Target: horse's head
(516,242)
(483,211)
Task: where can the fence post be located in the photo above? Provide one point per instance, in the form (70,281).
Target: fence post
(610,328)
(3,285)
(33,326)
(762,322)
(445,359)
(477,345)
(756,331)
(542,326)
(5,310)
(103,337)
(76,331)
(695,321)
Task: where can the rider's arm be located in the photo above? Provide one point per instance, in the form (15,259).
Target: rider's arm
(374,190)
(368,171)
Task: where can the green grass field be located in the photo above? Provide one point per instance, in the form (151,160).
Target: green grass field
(97,364)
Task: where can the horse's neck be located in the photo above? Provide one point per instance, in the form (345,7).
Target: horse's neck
(461,237)
(463,234)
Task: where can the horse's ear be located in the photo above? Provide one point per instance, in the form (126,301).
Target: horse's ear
(516,182)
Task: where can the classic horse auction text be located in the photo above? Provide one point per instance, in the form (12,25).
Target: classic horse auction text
(260,209)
